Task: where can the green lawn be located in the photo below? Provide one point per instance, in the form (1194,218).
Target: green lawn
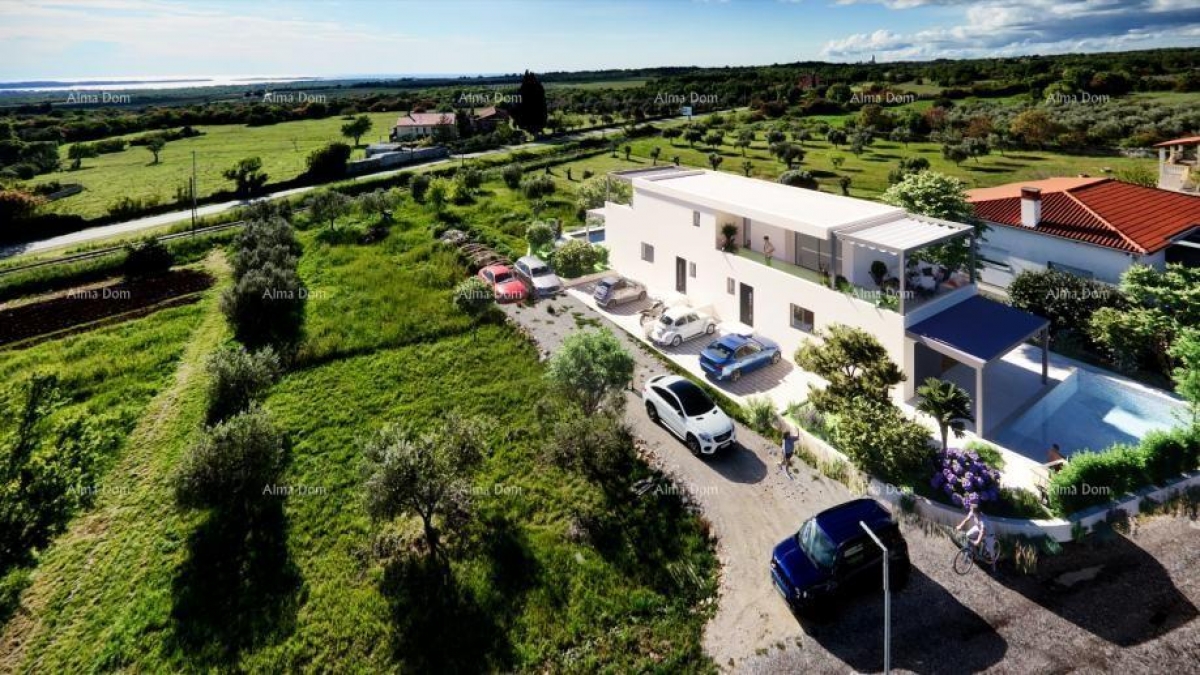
(136,584)
(869,171)
(283,149)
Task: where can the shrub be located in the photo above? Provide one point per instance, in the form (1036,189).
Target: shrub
(228,467)
(1092,478)
(987,452)
(237,379)
(540,235)
(1169,454)
(147,258)
(419,186)
(575,258)
(598,446)
(799,178)
(265,242)
(266,306)
(329,162)
(965,478)
(128,207)
(537,187)
(761,413)
(512,175)
(1068,301)
(882,441)
(18,204)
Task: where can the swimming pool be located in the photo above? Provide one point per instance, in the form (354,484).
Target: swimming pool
(1090,410)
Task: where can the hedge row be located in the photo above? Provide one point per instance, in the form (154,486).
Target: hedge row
(1092,478)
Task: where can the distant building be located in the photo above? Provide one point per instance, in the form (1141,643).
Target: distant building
(1177,165)
(486,120)
(421,124)
(1092,227)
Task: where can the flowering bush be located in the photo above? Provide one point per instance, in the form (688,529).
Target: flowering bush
(965,478)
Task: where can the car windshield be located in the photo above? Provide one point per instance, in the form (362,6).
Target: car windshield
(720,350)
(502,276)
(817,544)
(539,271)
(694,400)
(666,320)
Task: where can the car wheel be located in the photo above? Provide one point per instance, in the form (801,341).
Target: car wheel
(693,445)
(775,358)
(735,376)
(710,329)
(652,412)
(676,341)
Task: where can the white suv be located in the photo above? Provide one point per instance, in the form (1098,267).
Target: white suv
(539,276)
(686,411)
(680,324)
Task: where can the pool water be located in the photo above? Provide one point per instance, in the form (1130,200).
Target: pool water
(1089,410)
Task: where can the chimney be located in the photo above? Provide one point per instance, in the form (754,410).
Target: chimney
(1031,206)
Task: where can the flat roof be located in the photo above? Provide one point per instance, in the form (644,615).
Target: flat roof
(904,235)
(979,329)
(807,211)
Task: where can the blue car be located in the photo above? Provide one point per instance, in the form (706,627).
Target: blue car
(732,355)
(831,554)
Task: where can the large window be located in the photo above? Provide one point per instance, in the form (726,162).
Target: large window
(813,253)
(647,252)
(802,319)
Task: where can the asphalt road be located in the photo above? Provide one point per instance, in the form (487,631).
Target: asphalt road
(1124,603)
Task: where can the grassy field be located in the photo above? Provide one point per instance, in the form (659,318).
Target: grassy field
(869,171)
(283,149)
(132,585)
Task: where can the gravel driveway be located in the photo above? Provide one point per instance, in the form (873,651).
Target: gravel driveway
(1125,604)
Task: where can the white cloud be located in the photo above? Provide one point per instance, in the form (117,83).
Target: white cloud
(1014,27)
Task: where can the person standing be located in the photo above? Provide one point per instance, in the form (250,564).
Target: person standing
(789,449)
(768,249)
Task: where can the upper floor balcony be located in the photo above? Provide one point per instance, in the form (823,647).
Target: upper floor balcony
(901,265)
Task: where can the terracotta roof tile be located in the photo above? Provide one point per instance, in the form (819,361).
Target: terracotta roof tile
(1104,212)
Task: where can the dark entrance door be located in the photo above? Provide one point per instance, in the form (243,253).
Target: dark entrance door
(680,275)
(747,304)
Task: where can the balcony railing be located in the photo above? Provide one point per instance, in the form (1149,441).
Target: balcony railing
(784,266)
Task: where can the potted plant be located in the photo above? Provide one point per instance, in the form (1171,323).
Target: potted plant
(879,272)
(729,231)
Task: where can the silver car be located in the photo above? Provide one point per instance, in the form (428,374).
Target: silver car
(612,291)
(539,276)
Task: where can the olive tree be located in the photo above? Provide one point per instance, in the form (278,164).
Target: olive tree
(425,475)
(589,367)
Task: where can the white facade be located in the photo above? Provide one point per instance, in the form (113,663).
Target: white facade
(671,241)
(1007,251)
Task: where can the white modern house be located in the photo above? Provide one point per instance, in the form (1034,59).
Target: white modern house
(833,260)
(1092,227)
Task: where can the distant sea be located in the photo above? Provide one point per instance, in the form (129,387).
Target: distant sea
(184,82)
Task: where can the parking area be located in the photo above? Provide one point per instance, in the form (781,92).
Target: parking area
(1126,602)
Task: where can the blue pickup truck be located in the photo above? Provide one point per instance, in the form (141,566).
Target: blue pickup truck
(831,554)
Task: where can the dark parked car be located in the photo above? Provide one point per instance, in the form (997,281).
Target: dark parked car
(831,554)
(731,355)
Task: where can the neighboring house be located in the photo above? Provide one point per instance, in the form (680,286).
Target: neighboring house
(1177,165)
(1093,227)
(486,120)
(420,124)
(672,238)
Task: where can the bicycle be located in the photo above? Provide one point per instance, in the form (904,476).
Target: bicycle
(970,555)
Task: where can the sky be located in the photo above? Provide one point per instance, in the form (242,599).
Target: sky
(47,39)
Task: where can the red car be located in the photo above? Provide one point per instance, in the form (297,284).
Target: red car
(505,286)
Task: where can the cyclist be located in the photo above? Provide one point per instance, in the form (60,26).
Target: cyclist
(979,533)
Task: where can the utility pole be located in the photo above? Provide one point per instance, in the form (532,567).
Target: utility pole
(193,192)
(887,603)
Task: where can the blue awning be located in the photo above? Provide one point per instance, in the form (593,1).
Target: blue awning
(979,329)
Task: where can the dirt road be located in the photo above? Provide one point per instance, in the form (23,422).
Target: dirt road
(1122,603)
